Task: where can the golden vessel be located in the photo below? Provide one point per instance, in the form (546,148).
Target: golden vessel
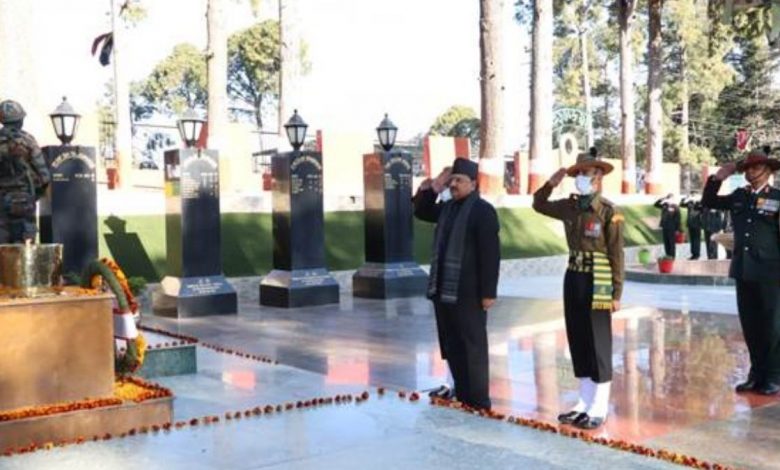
(29,270)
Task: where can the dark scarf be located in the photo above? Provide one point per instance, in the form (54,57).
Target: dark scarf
(456,237)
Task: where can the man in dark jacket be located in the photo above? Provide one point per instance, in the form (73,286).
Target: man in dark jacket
(693,220)
(463,277)
(670,223)
(755,264)
(712,222)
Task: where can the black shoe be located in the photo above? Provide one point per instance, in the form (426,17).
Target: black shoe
(768,388)
(571,417)
(747,386)
(693,258)
(589,423)
(444,392)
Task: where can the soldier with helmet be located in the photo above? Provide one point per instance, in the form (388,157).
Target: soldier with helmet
(755,263)
(24,176)
(593,283)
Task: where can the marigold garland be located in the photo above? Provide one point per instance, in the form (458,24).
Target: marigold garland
(617,444)
(213,347)
(141,391)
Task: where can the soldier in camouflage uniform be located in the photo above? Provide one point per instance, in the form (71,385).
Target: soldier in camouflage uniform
(23,176)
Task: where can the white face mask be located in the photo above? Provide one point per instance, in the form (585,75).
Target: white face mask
(445,195)
(584,184)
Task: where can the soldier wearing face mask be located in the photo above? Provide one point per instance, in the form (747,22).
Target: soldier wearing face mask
(593,283)
(755,263)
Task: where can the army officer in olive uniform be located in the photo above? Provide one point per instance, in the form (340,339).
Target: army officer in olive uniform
(755,264)
(593,282)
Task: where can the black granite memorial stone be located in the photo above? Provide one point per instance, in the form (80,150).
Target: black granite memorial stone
(194,284)
(299,277)
(68,210)
(390,270)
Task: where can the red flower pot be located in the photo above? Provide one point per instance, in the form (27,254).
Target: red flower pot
(679,237)
(665,265)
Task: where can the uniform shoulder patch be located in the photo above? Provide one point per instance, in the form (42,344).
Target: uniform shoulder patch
(617,218)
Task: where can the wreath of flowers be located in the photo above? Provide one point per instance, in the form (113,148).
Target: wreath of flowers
(102,275)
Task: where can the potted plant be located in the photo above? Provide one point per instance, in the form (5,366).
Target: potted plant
(644,256)
(665,264)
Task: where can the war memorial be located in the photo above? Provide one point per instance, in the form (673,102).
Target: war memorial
(216,295)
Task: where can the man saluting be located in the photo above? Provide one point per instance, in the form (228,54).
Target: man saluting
(464,275)
(755,264)
(593,282)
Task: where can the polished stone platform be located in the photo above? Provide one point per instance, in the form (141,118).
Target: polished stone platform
(702,272)
(677,353)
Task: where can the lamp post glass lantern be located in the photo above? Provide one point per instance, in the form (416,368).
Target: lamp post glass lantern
(65,121)
(296,130)
(386,132)
(190,126)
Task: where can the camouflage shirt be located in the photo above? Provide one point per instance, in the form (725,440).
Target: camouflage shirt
(597,228)
(22,165)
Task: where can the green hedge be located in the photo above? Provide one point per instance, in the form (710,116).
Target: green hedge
(137,243)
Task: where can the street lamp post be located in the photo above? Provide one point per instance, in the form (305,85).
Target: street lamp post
(390,270)
(299,277)
(68,210)
(194,284)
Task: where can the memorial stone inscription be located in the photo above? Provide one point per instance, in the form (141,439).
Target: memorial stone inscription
(390,269)
(68,211)
(194,284)
(299,277)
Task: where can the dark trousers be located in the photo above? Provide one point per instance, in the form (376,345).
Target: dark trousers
(759,314)
(670,244)
(712,247)
(464,333)
(695,236)
(589,332)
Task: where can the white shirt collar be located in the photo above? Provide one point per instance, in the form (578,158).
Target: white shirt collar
(759,190)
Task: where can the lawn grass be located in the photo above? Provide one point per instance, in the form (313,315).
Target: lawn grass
(138,242)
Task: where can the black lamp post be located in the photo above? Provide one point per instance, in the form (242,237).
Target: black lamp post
(190,126)
(387,132)
(68,210)
(65,121)
(296,130)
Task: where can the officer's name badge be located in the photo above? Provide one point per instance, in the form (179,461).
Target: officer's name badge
(768,205)
(593,229)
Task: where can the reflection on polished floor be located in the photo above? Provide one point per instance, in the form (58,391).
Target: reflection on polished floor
(672,387)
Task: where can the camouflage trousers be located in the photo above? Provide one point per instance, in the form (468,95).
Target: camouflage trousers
(17,230)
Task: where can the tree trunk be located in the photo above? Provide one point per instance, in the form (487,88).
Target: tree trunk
(259,120)
(290,43)
(216,64)
(627,118)
(491,91)
(585,66)
(654,148)
(541,94)
(684,157)
(123,135)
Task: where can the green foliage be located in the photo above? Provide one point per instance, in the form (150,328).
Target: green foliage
(254,65)
(457,121)
(178,82)
(137,285)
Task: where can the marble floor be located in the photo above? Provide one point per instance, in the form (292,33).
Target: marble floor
(677,353)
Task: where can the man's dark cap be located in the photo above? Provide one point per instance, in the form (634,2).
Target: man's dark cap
(462,166)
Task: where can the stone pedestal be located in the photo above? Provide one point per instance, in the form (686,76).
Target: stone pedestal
(390,270)
(68,211)
(55,349)
(194,284)
(58,350)
(299,277)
